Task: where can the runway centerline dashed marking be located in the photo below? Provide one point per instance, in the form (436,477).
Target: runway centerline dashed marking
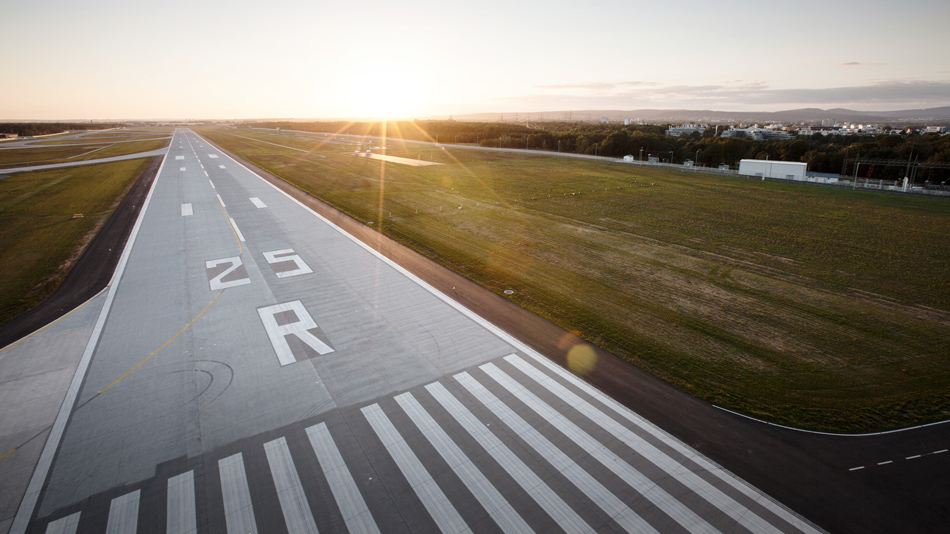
(220,166)
(236,229)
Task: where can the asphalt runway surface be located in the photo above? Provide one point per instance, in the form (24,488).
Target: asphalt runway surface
(255,369)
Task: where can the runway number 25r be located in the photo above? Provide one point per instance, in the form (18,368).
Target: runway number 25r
(280,320)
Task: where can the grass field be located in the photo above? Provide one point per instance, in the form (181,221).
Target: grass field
(815,307)
(39,238)
(81,148)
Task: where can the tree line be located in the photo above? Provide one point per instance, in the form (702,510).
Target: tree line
(823,154)
(26,129)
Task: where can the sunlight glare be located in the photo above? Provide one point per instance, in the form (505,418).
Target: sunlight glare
(377,90)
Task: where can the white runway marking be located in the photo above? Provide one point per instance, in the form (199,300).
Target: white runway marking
(186,210)
(180,516)
(236,229)
(238,513)
(124,514)
(217,282)
(550,502)
(210,182)
(65,525)
(206,174)
(179,157)
(213,156)
(182,169)
(494,502)
(594,490)
(626,472)
(639,445)
(258,202)
(278,333)
(220,166)
(440,508)
(293,501)
(287,255)
(669,440)
(222,202)
(347,495)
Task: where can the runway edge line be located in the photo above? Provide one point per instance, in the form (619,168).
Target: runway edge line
(28,503)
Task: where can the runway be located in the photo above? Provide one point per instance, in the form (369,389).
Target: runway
(256,369)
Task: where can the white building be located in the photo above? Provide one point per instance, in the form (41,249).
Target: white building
(763,168)
(686,129)
(756,133)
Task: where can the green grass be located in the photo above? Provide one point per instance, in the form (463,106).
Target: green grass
(39,238)
(24,157)
(815,307)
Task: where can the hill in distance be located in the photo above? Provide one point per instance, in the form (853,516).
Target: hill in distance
(930,116)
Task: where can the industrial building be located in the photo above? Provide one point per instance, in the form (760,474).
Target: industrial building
(785,170)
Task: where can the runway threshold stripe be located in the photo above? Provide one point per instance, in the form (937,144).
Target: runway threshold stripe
(661,435)
(531,483)
(64,525)
(589,486)
(660,498)
(676,470)
(347,495)
(180,517)
(494,503)
(238,512)
(124,514)
(293,501)
(258,203)
(445,515)
(236,229)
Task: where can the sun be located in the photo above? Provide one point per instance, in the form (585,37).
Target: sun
(377,90)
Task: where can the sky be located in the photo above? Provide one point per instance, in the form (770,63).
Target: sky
(107,60)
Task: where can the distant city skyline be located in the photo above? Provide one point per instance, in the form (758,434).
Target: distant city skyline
(105,59)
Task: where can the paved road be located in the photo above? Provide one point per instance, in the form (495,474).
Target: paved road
(137,155)
(254,369)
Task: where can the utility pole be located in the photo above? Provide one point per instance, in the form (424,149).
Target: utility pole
(857,164)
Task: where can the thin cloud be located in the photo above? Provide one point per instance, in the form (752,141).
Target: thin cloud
(599,87)
(892,94)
